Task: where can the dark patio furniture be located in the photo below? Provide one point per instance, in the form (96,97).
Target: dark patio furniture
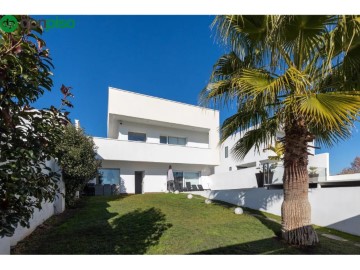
(200,187)
(188,186)
(107,190)
(194,187)
(99,190)
(89,189)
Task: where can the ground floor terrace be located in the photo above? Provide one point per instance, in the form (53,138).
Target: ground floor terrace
(147,177)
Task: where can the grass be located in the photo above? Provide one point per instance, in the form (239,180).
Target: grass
(167,224)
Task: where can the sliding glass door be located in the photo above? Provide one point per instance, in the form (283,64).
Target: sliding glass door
(182,177)
(192,177)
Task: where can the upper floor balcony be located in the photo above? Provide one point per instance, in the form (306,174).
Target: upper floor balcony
(123,150)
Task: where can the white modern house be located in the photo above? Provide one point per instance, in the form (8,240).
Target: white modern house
(145,135)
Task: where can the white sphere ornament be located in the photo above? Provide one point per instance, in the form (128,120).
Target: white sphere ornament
(238,211)
(208,201)
(176,192)
(189,196)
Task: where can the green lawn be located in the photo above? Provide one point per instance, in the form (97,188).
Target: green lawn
(166,224)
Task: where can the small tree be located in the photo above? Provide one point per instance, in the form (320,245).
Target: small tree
(77,158)
(355,167)
(28,136)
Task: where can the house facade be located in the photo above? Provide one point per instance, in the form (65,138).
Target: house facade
(145,135)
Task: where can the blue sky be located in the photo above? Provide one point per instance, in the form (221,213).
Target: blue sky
(164,56)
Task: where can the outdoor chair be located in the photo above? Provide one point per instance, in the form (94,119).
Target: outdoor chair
(200,187)
(99,190)
(194,187)
(89,189)
(107,190)
(188,186)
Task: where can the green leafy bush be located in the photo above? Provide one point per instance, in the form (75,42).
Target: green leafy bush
(77,158)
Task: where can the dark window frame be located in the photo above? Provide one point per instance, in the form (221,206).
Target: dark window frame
(136,133)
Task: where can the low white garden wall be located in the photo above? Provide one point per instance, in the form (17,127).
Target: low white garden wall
(39,216)
(345,177)
(238,179)
(337,208)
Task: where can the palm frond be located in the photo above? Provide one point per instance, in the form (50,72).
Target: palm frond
(245,34)
(301,36)
(264,134)
(220,89)
(242,121)
(328,138)
(256,81)
(286,67)
(227,65)
(331,111)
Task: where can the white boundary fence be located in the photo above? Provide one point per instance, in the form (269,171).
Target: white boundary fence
(337,208)
(39,216)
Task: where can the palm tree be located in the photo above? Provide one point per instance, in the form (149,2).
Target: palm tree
(299,74)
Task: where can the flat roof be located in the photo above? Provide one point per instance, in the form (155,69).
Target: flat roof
(182,103)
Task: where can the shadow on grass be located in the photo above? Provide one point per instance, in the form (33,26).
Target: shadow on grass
(264,246)
(95,230)
(270,246)
(272,225)
(138,230)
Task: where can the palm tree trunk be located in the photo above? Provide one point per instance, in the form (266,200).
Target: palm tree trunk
(296,210)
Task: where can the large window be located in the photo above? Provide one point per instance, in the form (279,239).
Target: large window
(192,177)
(109,176)
(183,177)
(172,140)
(177,140)
(139,137)
(163,139)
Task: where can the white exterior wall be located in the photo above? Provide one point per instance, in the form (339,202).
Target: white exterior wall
(230,161)
(111,149)
(244,178)
(155,179)
(345,177)
(322,162)
(173,114)
(337,208)
(153,133)
(38,217)
(133,112)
